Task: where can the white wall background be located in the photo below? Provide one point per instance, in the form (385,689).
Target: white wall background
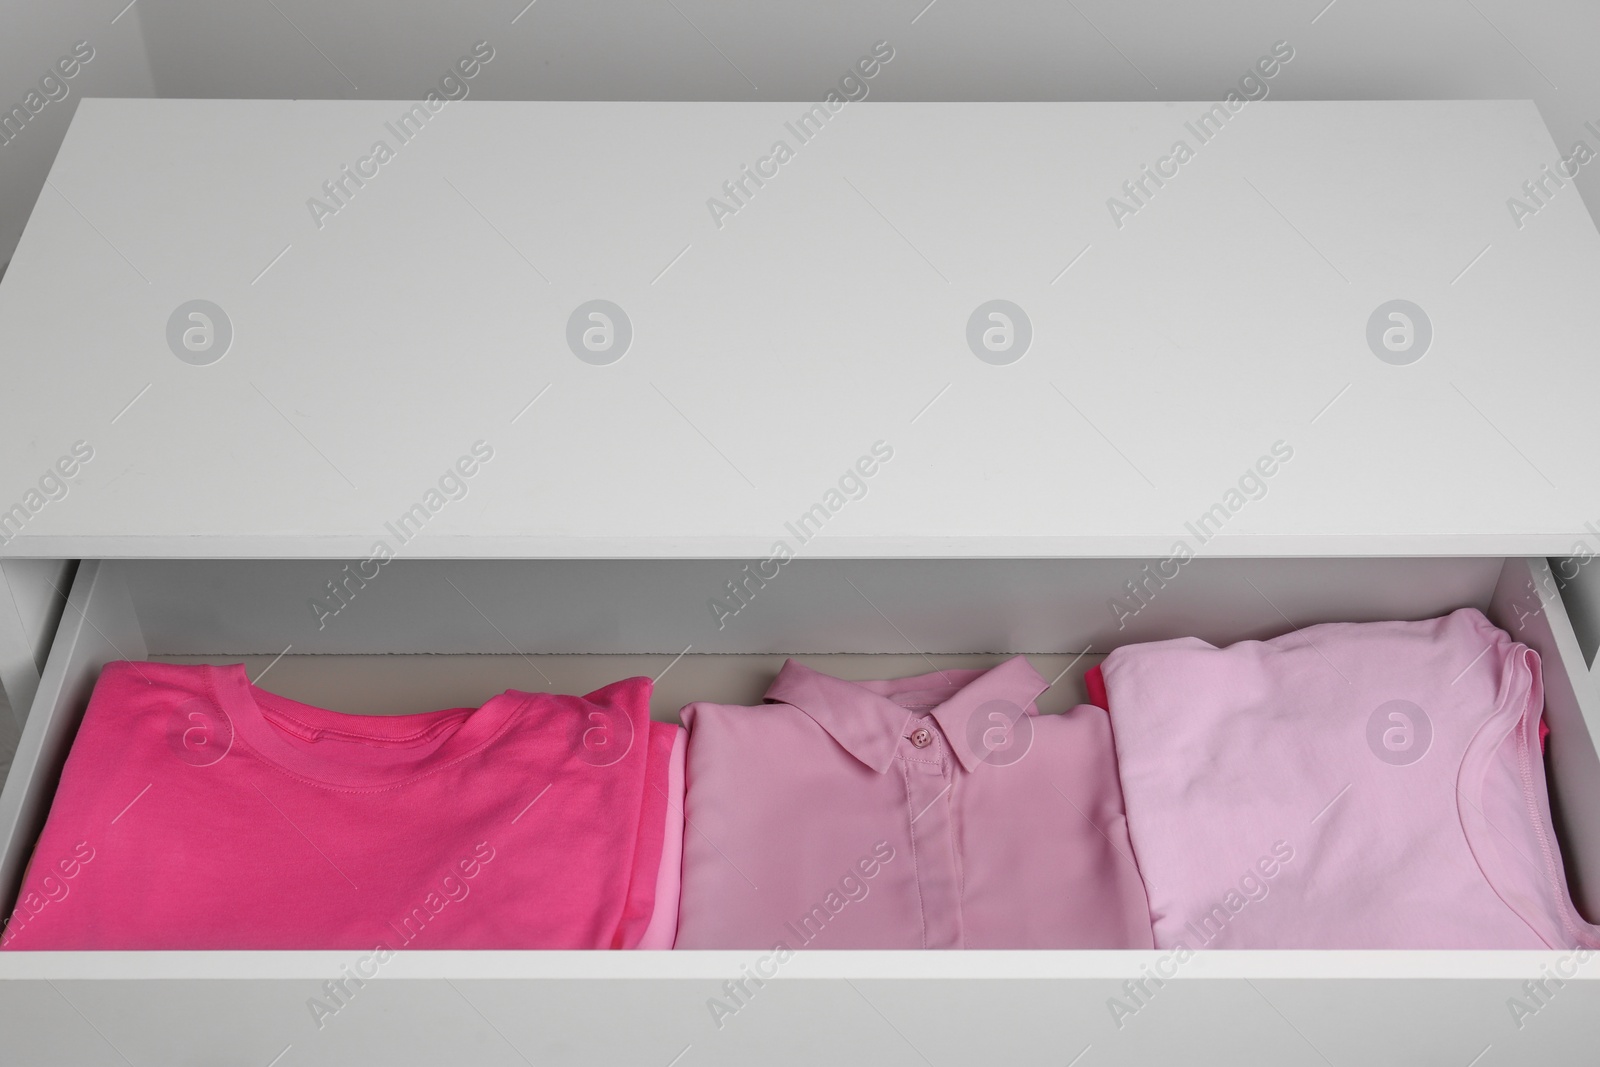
(33,35)
(1545,50)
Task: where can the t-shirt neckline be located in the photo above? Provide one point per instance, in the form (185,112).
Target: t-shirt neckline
(353,751)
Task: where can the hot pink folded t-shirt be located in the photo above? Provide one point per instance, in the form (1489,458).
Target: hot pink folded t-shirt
(1349,785)
(197,811)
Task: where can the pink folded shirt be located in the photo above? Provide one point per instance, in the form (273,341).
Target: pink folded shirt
(940,811)
(197,811)
(1349,785)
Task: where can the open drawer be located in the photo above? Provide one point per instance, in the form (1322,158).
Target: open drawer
(441,633)
(416,376)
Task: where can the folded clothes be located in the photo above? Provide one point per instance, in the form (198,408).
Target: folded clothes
(940,811)
(197,811)
(1348,785)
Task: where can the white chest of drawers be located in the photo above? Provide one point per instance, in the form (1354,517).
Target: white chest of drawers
(1206,366)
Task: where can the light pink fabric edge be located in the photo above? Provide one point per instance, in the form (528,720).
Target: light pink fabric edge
(662,930)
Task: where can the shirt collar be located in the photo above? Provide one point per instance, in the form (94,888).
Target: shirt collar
(866,721)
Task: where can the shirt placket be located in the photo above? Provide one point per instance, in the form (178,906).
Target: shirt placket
(929,770)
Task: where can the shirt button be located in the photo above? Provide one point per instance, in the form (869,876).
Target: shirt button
(922,737)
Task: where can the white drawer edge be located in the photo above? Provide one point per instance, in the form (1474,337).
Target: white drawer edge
(679,965)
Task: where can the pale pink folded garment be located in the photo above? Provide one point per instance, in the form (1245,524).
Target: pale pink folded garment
(1350,785)
(940,811)
(663,928)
